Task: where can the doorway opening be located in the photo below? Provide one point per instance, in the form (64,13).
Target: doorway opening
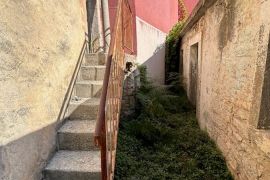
(193,73)
(264,116)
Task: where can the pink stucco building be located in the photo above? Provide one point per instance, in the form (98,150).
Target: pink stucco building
(162,14)
(153,19)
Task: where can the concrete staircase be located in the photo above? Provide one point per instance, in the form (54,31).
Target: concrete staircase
(76,157)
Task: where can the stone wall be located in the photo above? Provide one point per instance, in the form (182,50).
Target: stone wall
(40,42)
(130,87)
(232,37)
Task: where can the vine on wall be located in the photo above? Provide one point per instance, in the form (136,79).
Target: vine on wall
(172,53)
(182,10)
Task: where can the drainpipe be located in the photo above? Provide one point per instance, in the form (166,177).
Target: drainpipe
(101,25)
(107,28)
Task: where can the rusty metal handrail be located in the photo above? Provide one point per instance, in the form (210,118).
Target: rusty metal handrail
(109,109)
(70,89)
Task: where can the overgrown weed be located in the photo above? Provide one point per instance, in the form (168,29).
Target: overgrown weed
(162,139)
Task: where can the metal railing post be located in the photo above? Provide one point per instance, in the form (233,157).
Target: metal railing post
(110,102)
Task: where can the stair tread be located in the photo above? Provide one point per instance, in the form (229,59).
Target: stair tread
(96,66)
(89,82)
(75,161)
(86,101)
(91,54)
(79,126)
(94,54)
(83,108)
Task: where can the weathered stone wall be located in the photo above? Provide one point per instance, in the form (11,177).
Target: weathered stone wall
(131,85)
(40,42)
(233,40)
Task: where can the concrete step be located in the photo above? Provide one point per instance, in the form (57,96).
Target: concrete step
(77,135)
(83,109)
(92,73)
(93,59)
(74,165)
(88,89)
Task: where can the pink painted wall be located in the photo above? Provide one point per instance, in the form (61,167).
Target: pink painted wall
(162,14)
(190,4)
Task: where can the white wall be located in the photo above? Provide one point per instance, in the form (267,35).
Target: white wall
(151,50)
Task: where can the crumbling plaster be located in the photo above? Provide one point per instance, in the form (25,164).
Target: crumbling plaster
(234,42)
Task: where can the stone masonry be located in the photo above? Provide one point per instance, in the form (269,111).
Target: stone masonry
(131,84)
(232,80)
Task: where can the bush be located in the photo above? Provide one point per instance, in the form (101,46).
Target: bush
(172,52)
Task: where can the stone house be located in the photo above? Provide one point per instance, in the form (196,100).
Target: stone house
(51,81)
(225,52)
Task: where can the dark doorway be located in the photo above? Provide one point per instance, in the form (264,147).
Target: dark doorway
(181,63)
(264,116)
(193,73)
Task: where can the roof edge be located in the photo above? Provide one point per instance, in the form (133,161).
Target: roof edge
(196,14)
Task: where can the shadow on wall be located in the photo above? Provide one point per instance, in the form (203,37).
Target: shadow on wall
(155,71)
(18,157)
(156,65)
(25,157)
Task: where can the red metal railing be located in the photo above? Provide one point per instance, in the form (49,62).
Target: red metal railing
(109,110)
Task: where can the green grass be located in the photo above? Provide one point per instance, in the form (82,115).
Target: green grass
(162,140)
